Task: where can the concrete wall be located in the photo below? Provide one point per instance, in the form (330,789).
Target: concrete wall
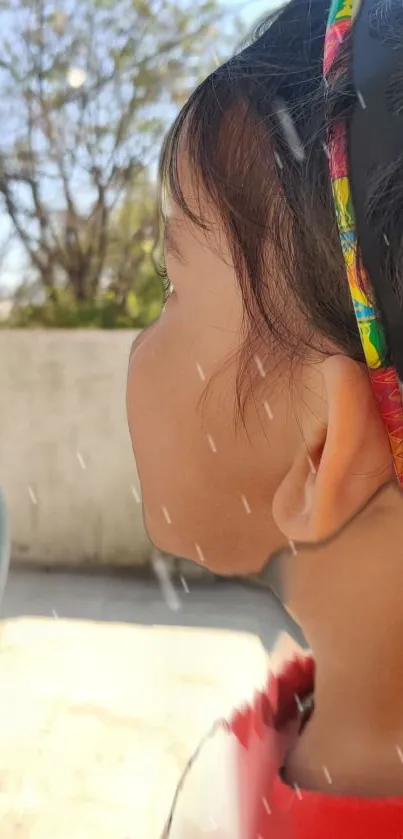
(66,464)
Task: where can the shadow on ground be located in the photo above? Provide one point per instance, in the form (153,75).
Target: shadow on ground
(81,595)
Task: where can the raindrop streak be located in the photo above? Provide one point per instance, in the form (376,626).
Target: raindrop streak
(200,553)
(266,806)
(32,495)
(168,591)
(300,707)
(201,372)
(245,504)
(80,460)
(211,443)
(184,583)
(268,410)
(298,791)
(361,100)
(326,150)
(216,58)
(278,160)
(400,753)
(386,239)
(166,515)
(327,775)
(260,367)
(54,613)
(135,495)
(292,546)
(290,132)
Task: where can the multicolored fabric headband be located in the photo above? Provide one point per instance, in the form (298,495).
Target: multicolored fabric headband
(372,137)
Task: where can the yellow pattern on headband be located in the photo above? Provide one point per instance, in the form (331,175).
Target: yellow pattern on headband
(385,383)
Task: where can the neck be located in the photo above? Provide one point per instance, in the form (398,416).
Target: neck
(359,660)
(356,730)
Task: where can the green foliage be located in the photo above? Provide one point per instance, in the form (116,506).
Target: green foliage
(138,310)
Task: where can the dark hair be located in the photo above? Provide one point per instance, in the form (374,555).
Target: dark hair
(255,132)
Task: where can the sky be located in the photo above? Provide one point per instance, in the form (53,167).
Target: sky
(10,268)
(255,9)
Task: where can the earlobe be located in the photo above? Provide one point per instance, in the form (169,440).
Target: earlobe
(294,501)
(348,457)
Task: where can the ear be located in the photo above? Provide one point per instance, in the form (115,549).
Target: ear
(344,459)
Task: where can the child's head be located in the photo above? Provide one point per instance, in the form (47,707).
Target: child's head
(250,409)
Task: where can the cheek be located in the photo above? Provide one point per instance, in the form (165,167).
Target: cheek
(173,424)
(206,485)
(160,394)
(170,369)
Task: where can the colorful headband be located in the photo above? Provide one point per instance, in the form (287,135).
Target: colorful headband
(372,138)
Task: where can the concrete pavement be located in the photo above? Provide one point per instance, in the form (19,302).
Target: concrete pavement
(127,598)
(105,692)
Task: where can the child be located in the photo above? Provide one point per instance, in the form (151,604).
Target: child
(254,423)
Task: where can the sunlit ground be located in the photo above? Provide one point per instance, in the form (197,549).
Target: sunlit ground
(98,719)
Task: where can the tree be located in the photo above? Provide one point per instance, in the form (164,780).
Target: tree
(87,90)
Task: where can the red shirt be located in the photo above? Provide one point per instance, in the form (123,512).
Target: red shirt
(319,816)
(232,788)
